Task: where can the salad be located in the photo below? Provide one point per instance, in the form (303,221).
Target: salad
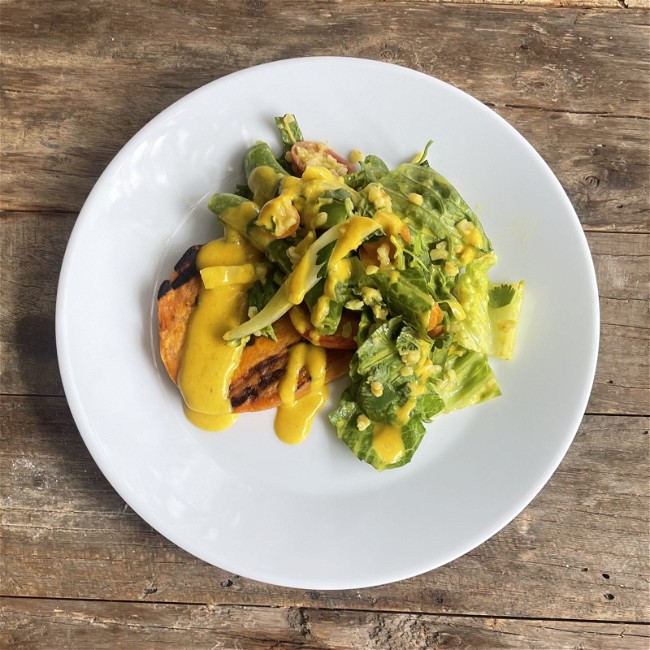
(391,264)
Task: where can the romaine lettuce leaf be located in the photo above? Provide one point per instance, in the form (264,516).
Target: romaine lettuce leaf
(406,294)
(332,319)
(474,332)
(440,210)
(361,442)
(467,379)
(372,169)
(259,296)
(504,307)
(378,349)
(491,310)
(382,392)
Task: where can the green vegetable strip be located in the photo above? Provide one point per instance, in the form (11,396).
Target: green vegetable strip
(290,132)
(331,322)
(260,155)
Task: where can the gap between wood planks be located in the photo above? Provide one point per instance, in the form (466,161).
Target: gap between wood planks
(564,111)
(492,105)
(302,608)
(613,5)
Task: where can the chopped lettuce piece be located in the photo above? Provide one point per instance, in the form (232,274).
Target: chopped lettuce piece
(349,423)
(304,276)
(338,205)
(259,295)
(440,213)
(491,310)
(372,170)
(381,414)
(406,294)
(290,132)
(329,320)
(467,379)
(504,316)
(378,349)
(474,332)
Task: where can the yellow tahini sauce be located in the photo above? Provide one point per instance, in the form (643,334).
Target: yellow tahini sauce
(306,193)
(294,417)
(227,266)
(228,269)
(388,441)
(208,361)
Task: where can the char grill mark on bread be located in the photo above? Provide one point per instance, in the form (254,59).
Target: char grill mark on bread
(185,270)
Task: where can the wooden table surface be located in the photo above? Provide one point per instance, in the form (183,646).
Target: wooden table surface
(79,568)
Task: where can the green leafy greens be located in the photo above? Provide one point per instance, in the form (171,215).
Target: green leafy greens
(416,286)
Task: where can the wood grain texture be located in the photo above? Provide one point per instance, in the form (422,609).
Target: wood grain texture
(31,249)
(69,102)
(623,274)
(36,625)
(544,57)
(579,551)
(31,242)
(573,4)
(78,568)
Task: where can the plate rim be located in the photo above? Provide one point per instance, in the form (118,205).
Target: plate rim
(85,427)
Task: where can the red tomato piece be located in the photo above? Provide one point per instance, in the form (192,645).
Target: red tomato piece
(304,154)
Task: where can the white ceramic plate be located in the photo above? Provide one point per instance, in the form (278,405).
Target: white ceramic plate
(313,516)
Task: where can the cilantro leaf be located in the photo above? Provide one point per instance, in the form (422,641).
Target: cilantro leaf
(501,295)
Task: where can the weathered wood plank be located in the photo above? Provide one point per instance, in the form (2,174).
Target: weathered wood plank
(68,101)
(602,162)
(579,551)
(32,247)
(557,58)
(584,4)
(34,624)
(623,272)
(575,4)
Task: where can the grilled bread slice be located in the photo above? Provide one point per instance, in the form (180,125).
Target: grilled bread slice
(254,385)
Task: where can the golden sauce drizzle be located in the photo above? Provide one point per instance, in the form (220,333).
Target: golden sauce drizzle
(296,283)
(387,442)
(353,232)
(294,417)
(300,320)
(321,311)
(340,271)
(208,361)
(263,181)
(387,439)
(306,192)
(209,421)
